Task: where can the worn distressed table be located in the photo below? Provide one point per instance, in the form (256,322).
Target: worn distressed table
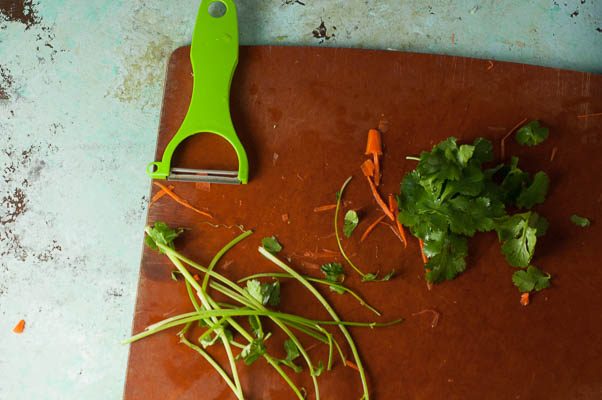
(80,93)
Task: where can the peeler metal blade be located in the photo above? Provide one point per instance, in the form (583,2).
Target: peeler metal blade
(204,175)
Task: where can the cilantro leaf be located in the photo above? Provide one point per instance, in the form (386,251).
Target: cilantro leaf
(351,221)
(518,234)
(371,277)
(161,233)
(251,352)
(318,369)
(264,293)
(531,279)
(534,193)
(256,327)
(532,134)
(580,221)
(465,153)
(271,244)
(483,151)
(333,271)
(292,353)
(446,253)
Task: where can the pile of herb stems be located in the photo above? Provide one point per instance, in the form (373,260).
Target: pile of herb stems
(215,315)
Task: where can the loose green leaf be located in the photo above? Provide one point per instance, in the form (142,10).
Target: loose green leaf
(318,369)
(161,233)
(271,244)
(256,327)
(292,353)
(532,134)
(446,254)
(371,277)
(531,279)
(265,293)
(333,272)
(251,352)
(580,221)
(518,235)
(534,193)
(350,222)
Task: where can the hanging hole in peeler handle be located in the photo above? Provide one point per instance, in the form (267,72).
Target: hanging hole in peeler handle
(217,9)
(152,167)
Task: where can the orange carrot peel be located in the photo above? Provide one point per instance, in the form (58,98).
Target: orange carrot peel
(524,299)
(160,194)
(327,207)
(20,327)
(374,148)
(181,201)
(366,169)
(393,207)
(371,227)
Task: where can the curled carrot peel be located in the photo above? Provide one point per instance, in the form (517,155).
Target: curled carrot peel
(327,207)
(375,193)
(20,327)
(351,364)
(181,201)
(395,209)
(524,299)
(160,194)
(374,148)
(371,227)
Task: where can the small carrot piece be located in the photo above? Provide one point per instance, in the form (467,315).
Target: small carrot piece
(375,149)
(368,168)
(424,257)
(160,194)
(327,207)
(351,364)
(196,277)
(503,142)
(20,327)
(524,299)
(375,193)
(395,209)
(371,227)
(181,201)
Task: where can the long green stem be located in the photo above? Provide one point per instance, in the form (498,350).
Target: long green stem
(315,280)
(330,311)
(221,253)
(336,227)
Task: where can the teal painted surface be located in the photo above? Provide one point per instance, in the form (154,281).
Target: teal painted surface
(81,93)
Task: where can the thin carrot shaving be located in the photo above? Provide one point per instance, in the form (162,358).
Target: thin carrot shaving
(524,299)
(375,193)
(503,142)
(327,207)
(553,155)
(20,327)
(181,201)
(436,316)
(394,230)
(368,168)
(160,194)
(371,227)
(424,257)
(589,115)
(351,364)
(395,209)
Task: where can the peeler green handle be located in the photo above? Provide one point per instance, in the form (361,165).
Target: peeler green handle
(214,56)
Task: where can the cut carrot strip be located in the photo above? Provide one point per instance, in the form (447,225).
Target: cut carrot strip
(180,200)
(368,168)
(524,299)
(503,142)
(395,209)
(351,364)
(20,327)
(371,227)
(375,149)
(327,207)
(424,257)
(375,193)
(395,231)
(160,194)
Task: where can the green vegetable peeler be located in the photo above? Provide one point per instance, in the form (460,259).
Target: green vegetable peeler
(214,55)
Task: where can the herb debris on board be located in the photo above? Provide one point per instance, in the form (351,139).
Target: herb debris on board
(450,196)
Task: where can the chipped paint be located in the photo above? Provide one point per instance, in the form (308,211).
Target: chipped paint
(22,11)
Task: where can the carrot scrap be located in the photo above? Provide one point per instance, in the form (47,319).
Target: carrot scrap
(490,65)
(589,115)
(368,168)
(395,209)
(435,319)
(424,257)
(351,364)
(196,277)
(524,299)
(503,142)
(160,194)
(553,155)
(20,327)
(394,230)
(327,207)
(371,227)
(375,193)
(181,201)
(285,218)
(375,149)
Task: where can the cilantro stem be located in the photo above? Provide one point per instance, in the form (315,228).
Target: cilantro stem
(336,227)
(237,391)
(328,308)
(412,158)
(221,253)
(316,280)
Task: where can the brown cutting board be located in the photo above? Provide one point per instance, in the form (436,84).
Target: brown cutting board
(303,115)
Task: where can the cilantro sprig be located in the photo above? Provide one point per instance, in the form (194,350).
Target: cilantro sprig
(451,196)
